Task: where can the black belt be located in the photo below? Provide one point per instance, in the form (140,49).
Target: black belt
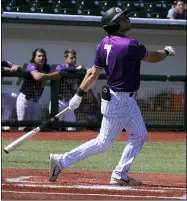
(131,94)
(32,99)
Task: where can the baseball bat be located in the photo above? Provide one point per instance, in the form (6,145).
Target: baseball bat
(31,133)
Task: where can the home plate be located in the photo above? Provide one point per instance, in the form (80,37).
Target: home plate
(104,187)
(18,179)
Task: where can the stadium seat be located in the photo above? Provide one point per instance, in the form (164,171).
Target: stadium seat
(88,5)
(149,14)
(138,8)
(135,6)
(158,7)
(112,4)
(140,14)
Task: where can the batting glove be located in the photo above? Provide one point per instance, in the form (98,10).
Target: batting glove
(75,102)
(170,50)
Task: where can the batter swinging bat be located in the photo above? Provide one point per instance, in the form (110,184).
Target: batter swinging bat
(31,133)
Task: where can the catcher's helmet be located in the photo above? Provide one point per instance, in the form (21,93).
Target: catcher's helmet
(108,20)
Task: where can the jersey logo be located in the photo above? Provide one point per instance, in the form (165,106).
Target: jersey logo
(139,43)
(9,63)
(118,10)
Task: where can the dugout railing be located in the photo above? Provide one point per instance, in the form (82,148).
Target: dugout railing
(161,98)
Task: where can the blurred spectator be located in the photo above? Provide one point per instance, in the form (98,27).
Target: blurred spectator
(8,99)
(28,101)
(68,86)
(178,12)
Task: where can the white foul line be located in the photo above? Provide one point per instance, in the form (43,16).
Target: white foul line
(84,194)
(94,187)
(23,179)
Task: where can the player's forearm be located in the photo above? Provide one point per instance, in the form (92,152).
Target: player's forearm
(88,82)
(51,76)
(7,69)
(54,76)
(156,56)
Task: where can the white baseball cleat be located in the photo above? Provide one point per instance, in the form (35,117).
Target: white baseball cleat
(54,169)
(70,129)
(21,128)
(125,182)
(6,128)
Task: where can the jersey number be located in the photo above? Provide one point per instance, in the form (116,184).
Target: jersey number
(107,48)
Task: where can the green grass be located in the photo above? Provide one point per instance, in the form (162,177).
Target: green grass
(155,157)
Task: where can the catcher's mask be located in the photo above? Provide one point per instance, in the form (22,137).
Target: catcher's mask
(108,21)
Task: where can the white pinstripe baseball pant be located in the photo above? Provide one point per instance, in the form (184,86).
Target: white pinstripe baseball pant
(120,112)
(27,109)
(9,103)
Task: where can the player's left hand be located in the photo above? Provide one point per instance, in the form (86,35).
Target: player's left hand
(171,50)
(75,102)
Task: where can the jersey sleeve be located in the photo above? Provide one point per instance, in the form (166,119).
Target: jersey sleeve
(98,60)
(59,68)
(5,63)
(31,68)
(137,50)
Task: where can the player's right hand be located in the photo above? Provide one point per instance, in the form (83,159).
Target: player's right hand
(75,102)
(15,68)
(171,50)
(39,76)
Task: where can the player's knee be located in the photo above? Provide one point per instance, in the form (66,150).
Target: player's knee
(13,95)
(103,144)
(142,136)
(139,137)
(142,132)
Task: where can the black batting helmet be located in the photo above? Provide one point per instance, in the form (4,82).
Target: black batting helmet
(108,20)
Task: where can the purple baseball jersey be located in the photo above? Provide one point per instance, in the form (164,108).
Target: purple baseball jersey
(5,63)
(30,87)
(63,67)
(121,57)
(33,67)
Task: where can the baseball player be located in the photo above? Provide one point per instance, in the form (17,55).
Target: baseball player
(120,56)
(8,99)
(68,86)
(28,105)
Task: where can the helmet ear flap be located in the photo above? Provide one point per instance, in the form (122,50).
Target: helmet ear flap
(115,24)
(128,18)
(112,27)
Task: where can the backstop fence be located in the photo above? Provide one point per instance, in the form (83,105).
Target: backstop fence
(161,98)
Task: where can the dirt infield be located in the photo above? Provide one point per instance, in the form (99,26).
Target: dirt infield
(88,135)
(33,184)
(85,185)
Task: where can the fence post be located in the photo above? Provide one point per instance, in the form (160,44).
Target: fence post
(54,101)
(185,104)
